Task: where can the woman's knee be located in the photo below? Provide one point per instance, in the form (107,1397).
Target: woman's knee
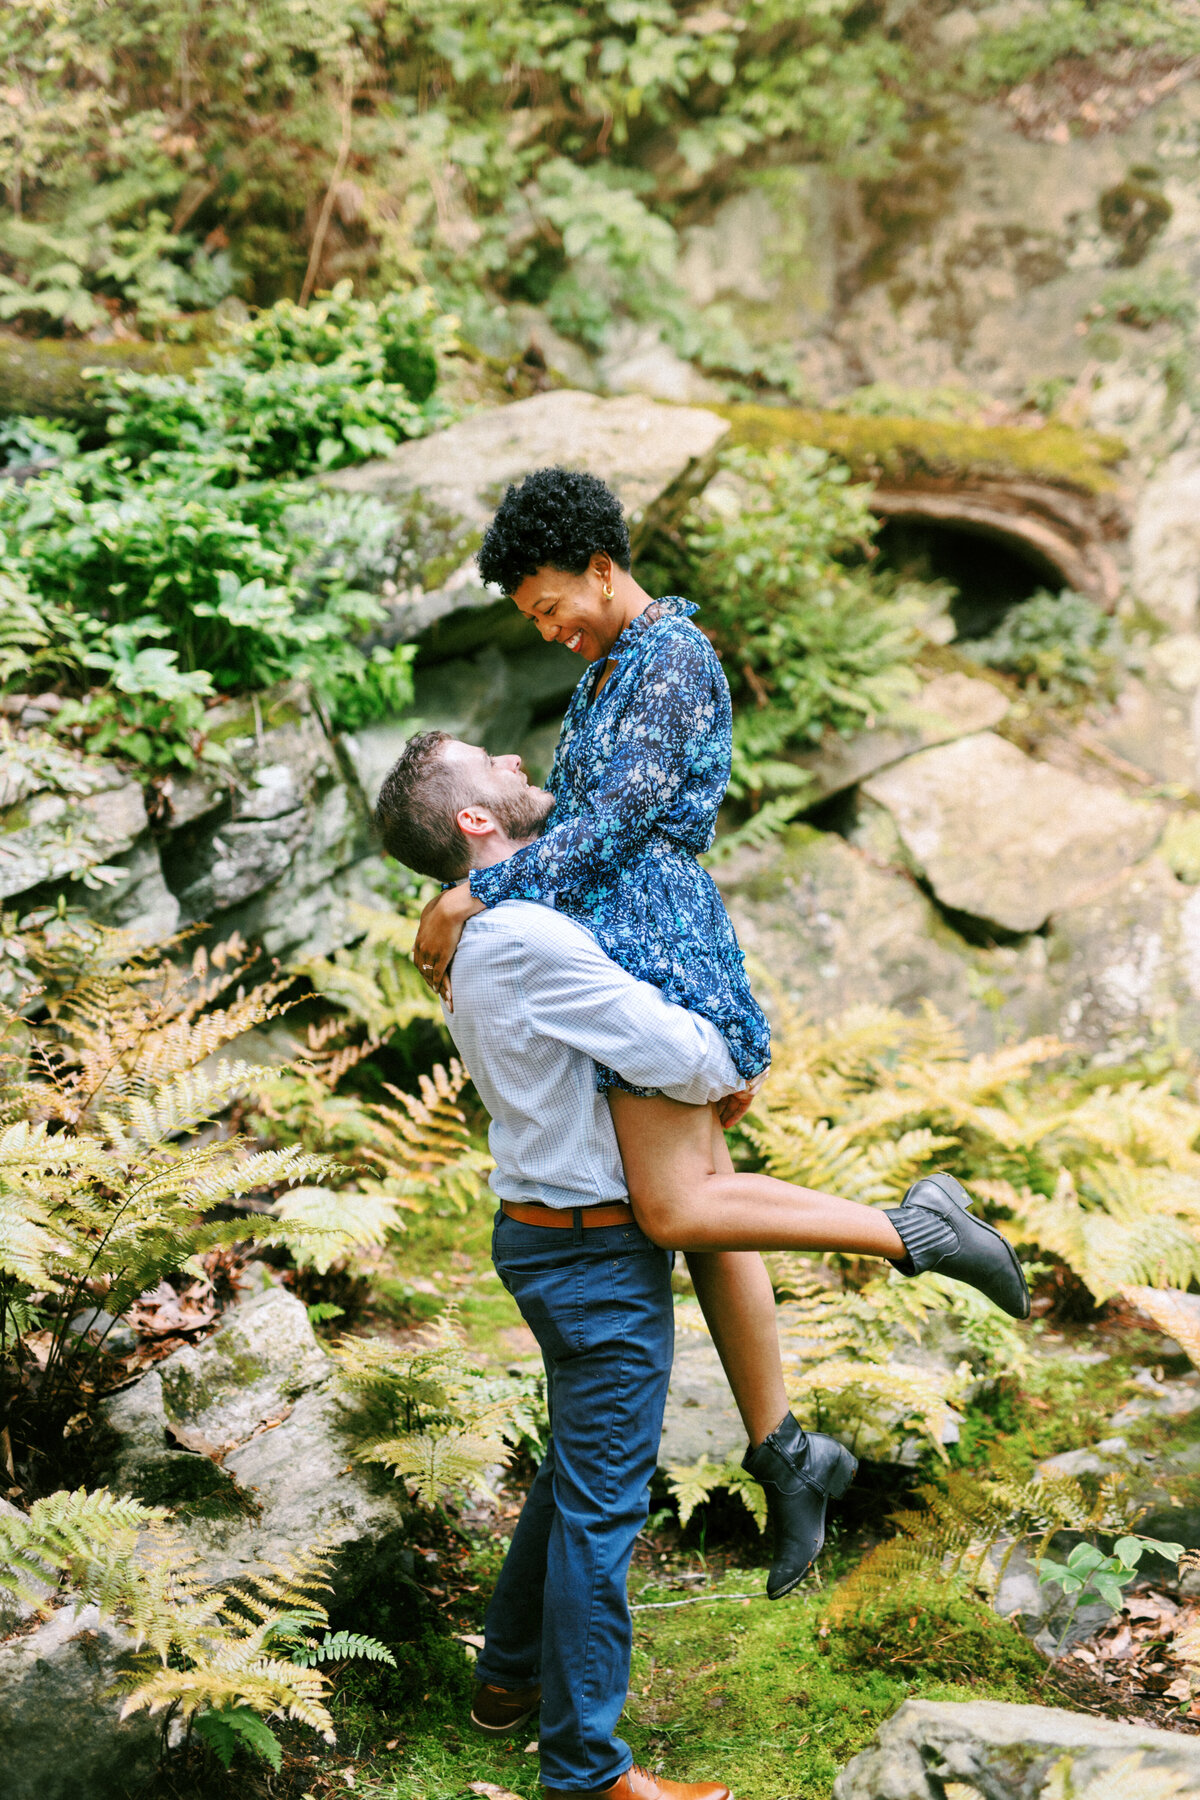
(660,1212)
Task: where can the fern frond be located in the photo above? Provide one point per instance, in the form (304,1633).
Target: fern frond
(340,1646)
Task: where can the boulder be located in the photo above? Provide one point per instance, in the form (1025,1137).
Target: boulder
(1164,544)
(1008,840)
(931,1749)
(950,706)
(60,1733)
(244,1435)
(446,488)
(1125,966)
(274,844)
(63,816)
(825,924)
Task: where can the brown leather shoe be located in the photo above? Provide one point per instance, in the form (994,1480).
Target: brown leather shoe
(640,1784)
(498,1710)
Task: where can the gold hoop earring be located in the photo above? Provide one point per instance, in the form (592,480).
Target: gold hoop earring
(607,590)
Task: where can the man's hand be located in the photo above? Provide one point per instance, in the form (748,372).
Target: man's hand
(735,1106)
(438,933)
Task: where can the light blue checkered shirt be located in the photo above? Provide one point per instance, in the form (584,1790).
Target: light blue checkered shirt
(537,1004)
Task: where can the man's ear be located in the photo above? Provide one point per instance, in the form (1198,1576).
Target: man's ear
(474,821)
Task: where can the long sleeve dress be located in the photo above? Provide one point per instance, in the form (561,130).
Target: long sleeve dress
(639,772)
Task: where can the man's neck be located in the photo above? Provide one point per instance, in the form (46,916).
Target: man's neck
(497,850)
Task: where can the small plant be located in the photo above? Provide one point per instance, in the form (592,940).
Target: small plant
(1088,1570)
(430,1413)
(1063,645)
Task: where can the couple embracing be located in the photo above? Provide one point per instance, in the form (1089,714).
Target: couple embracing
(600,1001)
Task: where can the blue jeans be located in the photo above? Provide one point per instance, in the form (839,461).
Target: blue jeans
(599,1304)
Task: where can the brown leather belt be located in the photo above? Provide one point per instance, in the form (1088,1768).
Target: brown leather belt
(563,1218)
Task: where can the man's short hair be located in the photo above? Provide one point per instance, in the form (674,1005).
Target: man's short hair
(417,807)
(556,519)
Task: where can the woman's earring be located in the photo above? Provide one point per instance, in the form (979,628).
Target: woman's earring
(607,590)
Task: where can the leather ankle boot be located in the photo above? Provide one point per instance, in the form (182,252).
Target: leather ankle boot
(799,1471)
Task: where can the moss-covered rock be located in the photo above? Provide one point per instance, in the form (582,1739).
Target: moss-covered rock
(46,375)
(903,449)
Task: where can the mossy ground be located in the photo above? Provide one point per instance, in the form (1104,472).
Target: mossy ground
(758,1695)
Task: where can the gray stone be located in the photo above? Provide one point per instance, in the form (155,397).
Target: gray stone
(987,1750)
(115,1335)
(247,1374)
(1154,726)
(637,361)
(948,707)
(1164,544)
(1124,967)
(76,816)
(258,1400)
(60,1733)
(770,254)
(1006,839)
(828,928)
(491,698)
(277,846)
(654,456)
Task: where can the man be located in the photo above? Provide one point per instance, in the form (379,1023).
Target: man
(537,1005)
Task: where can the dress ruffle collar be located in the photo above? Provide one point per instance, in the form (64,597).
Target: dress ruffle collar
(671,606)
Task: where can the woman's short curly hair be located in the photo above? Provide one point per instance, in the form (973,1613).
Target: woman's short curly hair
(556,519)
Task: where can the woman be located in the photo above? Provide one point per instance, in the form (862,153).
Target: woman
(640,770)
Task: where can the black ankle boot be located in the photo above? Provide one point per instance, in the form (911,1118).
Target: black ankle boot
(799,1471)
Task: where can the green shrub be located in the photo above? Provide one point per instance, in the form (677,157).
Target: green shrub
(302,389)
(1064,645)
(809,642)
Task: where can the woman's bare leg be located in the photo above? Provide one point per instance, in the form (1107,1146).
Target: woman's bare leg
(738,1303)
(684,1201)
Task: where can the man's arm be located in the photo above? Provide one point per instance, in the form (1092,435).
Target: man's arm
(577,994)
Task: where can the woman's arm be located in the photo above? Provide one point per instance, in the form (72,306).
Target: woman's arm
(667,733)
(441,926)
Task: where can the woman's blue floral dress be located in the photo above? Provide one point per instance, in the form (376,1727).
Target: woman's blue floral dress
(639,772)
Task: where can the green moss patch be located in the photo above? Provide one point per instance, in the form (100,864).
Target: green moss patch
(899,449)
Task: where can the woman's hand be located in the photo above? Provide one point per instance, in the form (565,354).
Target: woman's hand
(735,1106)
(437,937)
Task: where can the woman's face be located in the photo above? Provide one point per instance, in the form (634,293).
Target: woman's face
(572,609)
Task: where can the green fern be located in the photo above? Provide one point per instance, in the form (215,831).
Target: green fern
(428,1412)
(111,1177)
(341,1646)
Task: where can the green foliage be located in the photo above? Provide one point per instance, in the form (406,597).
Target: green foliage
(1096,1169)
(488,145)
(228,1657)
(808,643)
(1164,297)
(929,1630)
(1080,28)
(429,1413)
(110,1176)
(1061,644)
(1088,1570)
(178,562)
(690,1485)
(228,1729)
